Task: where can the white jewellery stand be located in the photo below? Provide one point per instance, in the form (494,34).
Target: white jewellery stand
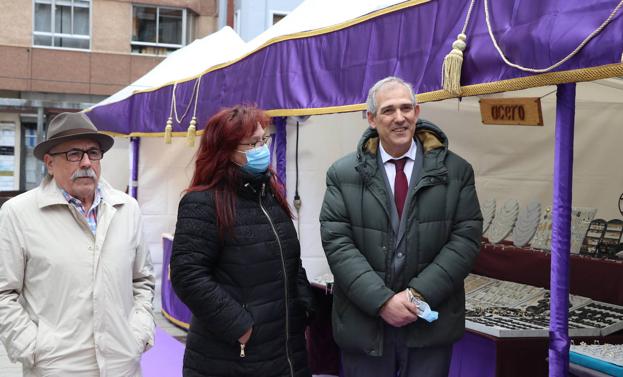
(580,220)
(488,213)
(543,237)
(504,221)
(527,222)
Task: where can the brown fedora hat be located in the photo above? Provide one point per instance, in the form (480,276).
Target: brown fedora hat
(71,126)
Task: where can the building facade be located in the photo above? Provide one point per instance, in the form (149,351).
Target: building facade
(65,55)
(252,17)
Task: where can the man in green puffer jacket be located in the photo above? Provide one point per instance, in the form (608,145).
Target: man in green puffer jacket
(393,230)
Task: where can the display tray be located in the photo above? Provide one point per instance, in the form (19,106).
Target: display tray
(505,327)
(506,309)
(522,327)
(501,293)
(606,317)
(603,353)
(474,282)
(590,319)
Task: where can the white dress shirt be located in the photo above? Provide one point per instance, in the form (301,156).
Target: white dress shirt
(390,167)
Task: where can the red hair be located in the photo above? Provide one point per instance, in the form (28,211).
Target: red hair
(214,169)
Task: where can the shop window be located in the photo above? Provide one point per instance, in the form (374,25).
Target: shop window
(160,30)
(7,156)
(62,23)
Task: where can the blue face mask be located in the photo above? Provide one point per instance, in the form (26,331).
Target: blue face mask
(258,159)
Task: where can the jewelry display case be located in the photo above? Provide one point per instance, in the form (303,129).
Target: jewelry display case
(507,309)
(515,348)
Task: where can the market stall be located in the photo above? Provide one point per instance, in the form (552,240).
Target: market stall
(303,69)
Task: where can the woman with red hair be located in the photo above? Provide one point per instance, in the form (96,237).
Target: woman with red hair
(236,257)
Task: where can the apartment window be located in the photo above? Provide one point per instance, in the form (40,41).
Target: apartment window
(160,30)
(62,23)
(277,16)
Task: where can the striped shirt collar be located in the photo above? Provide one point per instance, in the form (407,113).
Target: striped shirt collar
(91,214)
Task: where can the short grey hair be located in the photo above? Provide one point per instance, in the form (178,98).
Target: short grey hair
(371,101)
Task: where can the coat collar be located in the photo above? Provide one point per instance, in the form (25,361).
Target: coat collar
(434,144)
(50,194)
(251,185)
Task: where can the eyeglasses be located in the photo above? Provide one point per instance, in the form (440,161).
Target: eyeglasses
(260,143)
(75,155)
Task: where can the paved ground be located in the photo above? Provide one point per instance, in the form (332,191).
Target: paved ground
(8,369)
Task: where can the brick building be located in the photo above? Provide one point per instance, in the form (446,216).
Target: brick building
(65,55)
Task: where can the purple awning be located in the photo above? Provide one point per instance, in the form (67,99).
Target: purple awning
(332,71)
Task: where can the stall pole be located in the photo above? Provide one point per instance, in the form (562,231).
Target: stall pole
(135,144)
(561,232)
(280,143)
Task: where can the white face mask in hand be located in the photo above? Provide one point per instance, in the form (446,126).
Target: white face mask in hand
(423,309)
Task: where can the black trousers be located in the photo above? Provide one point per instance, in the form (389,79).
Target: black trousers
(398,360)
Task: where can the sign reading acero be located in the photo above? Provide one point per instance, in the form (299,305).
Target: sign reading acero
(511,111)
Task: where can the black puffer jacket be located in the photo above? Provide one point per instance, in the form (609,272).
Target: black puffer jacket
(254,278)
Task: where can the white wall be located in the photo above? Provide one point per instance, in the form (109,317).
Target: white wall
(164,172)
(115,164)
(322,139)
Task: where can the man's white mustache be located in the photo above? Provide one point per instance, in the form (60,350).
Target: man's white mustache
(84,173)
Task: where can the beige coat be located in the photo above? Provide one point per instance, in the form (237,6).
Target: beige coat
(71,303)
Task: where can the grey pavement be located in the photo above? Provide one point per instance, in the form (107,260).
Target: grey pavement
(8,369)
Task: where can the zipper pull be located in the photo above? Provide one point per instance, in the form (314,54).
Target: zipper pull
(242,346)
(263,188)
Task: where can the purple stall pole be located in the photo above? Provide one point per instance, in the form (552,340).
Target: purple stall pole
(135,144)
(279,148)
(561,232)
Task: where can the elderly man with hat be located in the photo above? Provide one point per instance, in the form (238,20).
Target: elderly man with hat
(76,279)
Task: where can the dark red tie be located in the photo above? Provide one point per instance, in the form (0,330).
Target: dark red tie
(401,186)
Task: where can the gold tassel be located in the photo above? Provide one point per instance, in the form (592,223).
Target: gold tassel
(191,132)
(452,66)
(168,131)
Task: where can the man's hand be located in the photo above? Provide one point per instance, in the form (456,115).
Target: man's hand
(398,311)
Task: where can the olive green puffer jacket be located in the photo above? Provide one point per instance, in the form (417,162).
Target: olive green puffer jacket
(443,231)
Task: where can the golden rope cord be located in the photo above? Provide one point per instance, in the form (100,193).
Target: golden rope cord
(562,61)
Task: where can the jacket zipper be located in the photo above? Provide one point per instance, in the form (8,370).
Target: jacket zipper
(243,345)
(285,280)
